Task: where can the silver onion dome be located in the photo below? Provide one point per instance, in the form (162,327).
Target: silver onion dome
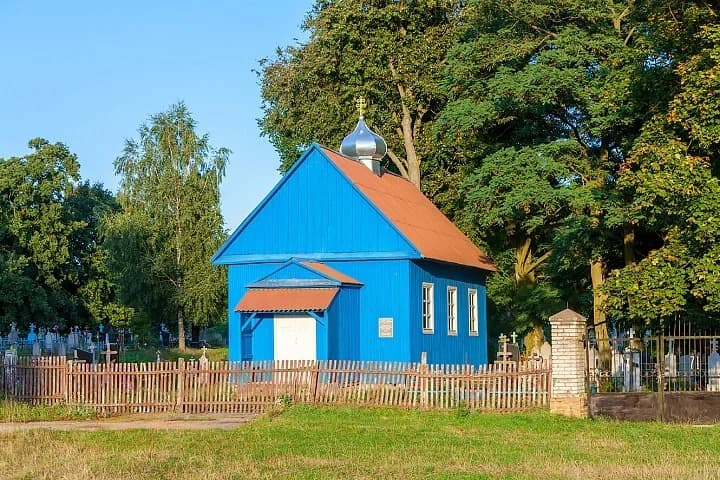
(363,143)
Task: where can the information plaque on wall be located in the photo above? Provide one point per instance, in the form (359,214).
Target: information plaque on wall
(385,327)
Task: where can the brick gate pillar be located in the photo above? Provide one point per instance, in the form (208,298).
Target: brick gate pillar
(568,396)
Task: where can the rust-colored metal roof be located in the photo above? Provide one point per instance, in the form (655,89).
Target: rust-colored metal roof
(331,272)
(286,299)
(431,232)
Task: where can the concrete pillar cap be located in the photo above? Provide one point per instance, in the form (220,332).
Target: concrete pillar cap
(568,316)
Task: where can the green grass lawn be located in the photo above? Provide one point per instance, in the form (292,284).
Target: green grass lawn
(313,443)
(172,354)
(13,411)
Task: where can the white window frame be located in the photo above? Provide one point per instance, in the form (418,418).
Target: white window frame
(473,320)
(452,309)
(427,307)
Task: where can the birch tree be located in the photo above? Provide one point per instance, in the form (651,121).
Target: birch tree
(171,223)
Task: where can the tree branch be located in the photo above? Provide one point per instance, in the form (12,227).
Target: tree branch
(398,162)
(539,261)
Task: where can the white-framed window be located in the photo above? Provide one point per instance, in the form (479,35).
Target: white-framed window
(428,308)
(472,311)
(452,310)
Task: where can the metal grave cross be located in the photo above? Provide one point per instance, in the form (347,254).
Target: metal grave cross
(514,337)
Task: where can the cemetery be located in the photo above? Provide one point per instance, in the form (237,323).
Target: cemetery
(79,370)
(630,375)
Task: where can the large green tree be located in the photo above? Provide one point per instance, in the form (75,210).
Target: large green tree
(389,51)
(50,254)
(671,181)
(170,223)
(560,90)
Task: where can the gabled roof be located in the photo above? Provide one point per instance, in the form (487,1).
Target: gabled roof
(286,300)
(297,273)
(419,225)
(331,273)
(431,232)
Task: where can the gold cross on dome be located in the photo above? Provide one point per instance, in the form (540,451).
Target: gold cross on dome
(360,104)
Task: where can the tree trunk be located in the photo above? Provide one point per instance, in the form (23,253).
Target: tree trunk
(629,244)
(525,266)
(523,262)
(408,128)
(535,337)
(413,162)
(181,329)
(597,275)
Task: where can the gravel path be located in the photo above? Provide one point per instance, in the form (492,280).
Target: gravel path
(129,422)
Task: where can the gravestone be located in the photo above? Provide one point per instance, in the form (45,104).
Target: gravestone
(594,360)
(204,365)
(671,367)
(631,370)
(61,350)
(617,362)
(36,348)
(92,349)
(164,335)
(542,354)
(49,341)
(713,366)
(9,363)
(688,368)
(31,336)
(546,353)
(83,355)
(13,335)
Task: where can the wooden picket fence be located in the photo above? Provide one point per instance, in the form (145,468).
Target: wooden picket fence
(234,387)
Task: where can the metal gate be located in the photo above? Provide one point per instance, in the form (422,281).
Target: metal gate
(671,376)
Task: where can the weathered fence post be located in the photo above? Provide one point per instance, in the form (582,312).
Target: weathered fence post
(180,384)
(66,380)
(568,396)
(423,370)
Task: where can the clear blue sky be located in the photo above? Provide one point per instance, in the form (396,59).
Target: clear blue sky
(88,73)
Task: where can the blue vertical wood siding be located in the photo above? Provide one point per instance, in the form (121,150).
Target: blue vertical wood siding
(383,294)
(344,325)
(440,346)
(315,214)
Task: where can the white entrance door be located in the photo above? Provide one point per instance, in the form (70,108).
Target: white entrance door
(294,337)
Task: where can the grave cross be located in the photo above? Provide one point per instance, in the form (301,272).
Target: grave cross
(514,337)
(108,353)
(714,344)
(204,350)
(502,338)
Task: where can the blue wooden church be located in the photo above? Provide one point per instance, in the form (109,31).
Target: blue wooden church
(345,261)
